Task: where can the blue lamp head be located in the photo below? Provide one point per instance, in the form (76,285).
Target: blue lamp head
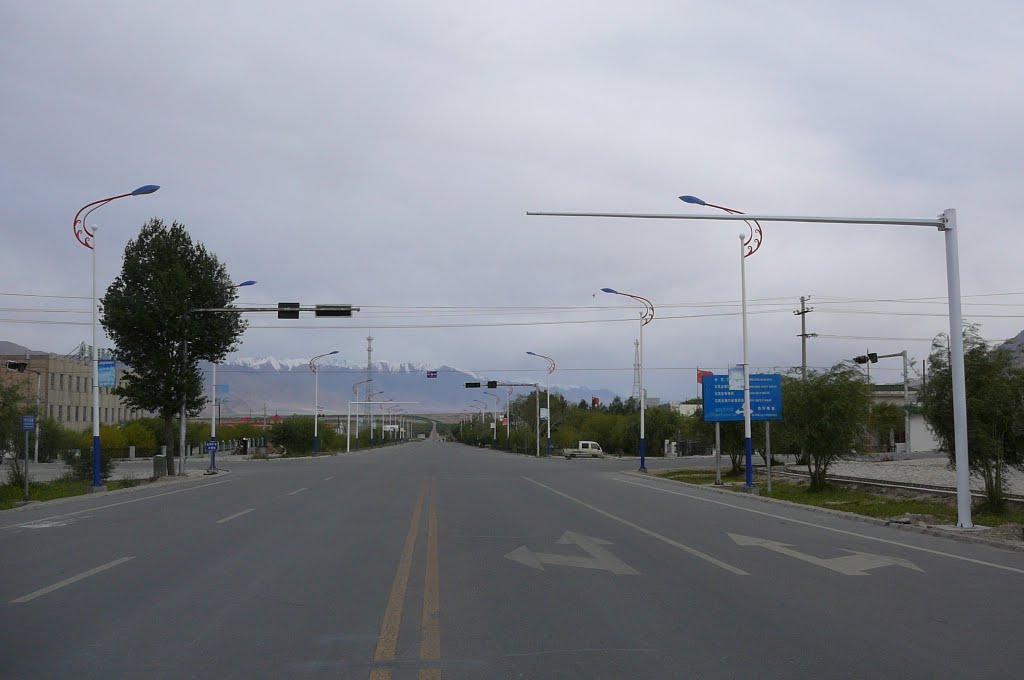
(532,354)
(334,352)
(610,290)
(692,199)
(245,283)
(146,189)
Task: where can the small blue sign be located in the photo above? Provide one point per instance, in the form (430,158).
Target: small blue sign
(211,446)
(431,374)
(223,390)
(108,372)
(28,422)
(724,405)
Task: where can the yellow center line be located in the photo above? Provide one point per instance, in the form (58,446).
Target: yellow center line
(430,647)
(387,642)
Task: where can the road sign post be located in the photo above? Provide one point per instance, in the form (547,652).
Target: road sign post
(28,423)
(723,403)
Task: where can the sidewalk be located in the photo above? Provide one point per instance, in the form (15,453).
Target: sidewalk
(139,468)
(925,471)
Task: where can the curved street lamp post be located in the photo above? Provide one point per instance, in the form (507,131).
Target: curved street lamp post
(646,317)
(551,369)
(87,237)
(316,399)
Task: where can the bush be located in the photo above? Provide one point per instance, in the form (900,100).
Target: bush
(80,466)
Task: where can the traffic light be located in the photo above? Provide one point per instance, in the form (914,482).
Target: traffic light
(491,384)
(865,358)
(472,384)
(331,310)
(18,366)
(287,310)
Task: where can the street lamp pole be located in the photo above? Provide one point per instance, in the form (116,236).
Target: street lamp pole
(87,237)
(551,369)
(316,398)
(646,317)
(355,391)
(214,415)
(946,224)
(497,400)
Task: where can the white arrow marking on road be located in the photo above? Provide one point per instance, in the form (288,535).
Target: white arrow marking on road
(855,564)
(599,557)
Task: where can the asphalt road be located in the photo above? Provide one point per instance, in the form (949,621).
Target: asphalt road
(436,560)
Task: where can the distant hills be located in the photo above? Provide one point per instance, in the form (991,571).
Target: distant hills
(286,386)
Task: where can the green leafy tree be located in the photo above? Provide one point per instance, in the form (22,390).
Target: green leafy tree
(886,422)
(827,415)
(995,410)
(148,313)
(10,412)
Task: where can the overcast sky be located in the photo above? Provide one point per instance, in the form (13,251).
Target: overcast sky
(385,154)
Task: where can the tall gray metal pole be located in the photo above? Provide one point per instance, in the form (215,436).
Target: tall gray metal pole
(536,395)
(718,453)
(956,338)
(39,379)
(906,401)
(802,313)
(748,444)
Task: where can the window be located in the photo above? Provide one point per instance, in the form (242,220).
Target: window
(61,382)
(76,413)
(51,407)
(78,383)
(118,415)
(53,377)
(60,411)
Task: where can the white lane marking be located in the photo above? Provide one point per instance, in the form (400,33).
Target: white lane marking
(69,581)
(598,557)
(826,528)
(327,479)
(648,532)
(292,493)
(114,505)
(235,516)
(854,564)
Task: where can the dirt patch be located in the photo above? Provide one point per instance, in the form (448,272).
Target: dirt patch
(1010,531)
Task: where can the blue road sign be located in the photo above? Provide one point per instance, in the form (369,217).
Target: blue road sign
(211,446)
(28,422)
(107,372)
(431,374)
(724,405)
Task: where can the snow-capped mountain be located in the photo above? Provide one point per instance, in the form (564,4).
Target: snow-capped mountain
(286,386)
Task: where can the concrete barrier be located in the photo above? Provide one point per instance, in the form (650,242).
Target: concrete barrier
(159,466)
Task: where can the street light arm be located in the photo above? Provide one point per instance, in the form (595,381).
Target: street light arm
(648,313)
(81,231)
(551,362)
(312,362)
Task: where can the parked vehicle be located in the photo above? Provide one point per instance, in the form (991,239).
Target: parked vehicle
(587,449)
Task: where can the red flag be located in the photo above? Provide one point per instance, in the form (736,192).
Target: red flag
(701,374)
(595,401)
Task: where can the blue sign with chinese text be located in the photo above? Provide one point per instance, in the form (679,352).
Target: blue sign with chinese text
(28,422)
(724,405)
(108,372)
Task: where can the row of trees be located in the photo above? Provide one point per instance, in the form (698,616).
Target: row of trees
(827,416)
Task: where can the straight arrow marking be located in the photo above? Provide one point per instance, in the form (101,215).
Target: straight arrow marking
(599,556)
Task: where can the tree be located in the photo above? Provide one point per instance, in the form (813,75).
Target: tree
(887,419)
(827,415)
(148,312)
(995,409)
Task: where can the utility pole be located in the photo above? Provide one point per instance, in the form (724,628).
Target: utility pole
(802,313)
(369,382)
(906,401)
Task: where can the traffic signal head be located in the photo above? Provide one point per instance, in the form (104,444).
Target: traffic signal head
(865,358)
(491,384)
(287,310)
(472,384)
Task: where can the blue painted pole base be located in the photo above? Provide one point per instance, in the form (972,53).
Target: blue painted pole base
(748,448)
(643,455)
(96,462)
(316,445)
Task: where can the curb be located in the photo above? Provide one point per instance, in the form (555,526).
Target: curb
(168,480)
(930,531)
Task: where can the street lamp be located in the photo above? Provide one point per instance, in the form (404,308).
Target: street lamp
(316,398)
(749,244)
(213,389)
(946,224)
(497,400)
(87,237)
(646,317)
(369,410)
(355,392)
(551,369)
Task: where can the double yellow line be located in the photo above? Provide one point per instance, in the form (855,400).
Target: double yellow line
(387,641)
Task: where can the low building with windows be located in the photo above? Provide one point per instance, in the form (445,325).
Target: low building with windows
(65,389)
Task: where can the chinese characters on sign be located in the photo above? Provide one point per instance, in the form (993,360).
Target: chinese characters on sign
(722,404)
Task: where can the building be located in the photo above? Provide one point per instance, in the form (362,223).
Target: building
(65,389)
(922,440)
